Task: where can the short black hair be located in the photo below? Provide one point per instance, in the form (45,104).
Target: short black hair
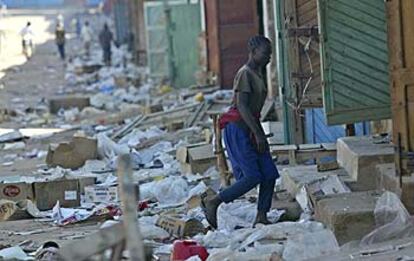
(256,41)
(50,244)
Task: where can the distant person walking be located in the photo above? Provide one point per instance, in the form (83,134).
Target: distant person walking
(27,40)
(86,36)
(105,39)
(60,39)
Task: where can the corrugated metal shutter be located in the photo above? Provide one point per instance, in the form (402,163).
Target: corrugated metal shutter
(354,60)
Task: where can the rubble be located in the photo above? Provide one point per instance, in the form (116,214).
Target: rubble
(168,135)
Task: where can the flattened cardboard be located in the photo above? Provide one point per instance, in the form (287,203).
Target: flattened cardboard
(180,227)
(98,194)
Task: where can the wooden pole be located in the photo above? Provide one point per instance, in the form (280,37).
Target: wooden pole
(221,157)
(129,196)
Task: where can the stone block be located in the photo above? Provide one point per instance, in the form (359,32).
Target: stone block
(388,180)
(67,102)
(74,154)
(293,178)
(350,216)
(359,157)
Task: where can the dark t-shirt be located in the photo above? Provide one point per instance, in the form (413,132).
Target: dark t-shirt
(248,81)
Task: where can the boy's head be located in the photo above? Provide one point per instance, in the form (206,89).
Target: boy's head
(260,49)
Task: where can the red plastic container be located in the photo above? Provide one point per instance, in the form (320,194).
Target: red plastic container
(184,249)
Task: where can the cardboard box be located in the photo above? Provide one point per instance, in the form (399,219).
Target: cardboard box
(196,158)
(68,102)
(16,191)
(72,154)
(180,227)
(98,194)
(66,191)
(85,182)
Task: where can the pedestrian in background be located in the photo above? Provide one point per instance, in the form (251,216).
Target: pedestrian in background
(86,36)
(60,39)
(105,39)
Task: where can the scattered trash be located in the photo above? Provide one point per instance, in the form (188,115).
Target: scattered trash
(186,249)
(14,146)
(310,245)
(392,221)
(14,253)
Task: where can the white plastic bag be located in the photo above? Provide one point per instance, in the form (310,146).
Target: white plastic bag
(241,214)
(171,190)
(310,245)
(236,214)
(108,149)
(392,220)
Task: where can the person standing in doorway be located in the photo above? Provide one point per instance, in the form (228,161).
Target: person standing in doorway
(245,139)
(105,39)
(60,39)
(86,36)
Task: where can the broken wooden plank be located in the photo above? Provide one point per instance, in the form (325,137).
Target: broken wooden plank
(128,128)
(191,120)
(310,147)
(94,244)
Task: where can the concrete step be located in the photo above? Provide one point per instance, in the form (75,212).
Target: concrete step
(350,216)
(359,157)
(295,177)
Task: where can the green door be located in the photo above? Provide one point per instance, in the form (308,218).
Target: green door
(185,28)
(354,59)
(157,40)
(173,28)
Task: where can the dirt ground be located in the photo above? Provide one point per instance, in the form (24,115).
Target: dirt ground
(24,84)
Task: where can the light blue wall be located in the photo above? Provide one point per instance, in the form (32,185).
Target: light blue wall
(93,2)
(317,131)
(31,3)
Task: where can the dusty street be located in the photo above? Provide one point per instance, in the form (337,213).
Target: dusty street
(24,84)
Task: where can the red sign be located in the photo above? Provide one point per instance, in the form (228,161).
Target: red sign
(11,191)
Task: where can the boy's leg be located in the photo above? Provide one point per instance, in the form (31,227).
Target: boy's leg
(266,195)
(238,189)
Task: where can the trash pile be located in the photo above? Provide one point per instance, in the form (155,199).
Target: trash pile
(169,137)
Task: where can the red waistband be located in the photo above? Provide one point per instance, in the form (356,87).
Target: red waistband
(232,115)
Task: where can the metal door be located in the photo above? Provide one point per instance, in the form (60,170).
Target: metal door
(354,59)
(184,30)
(157,40)
(120,10)
(230,24)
